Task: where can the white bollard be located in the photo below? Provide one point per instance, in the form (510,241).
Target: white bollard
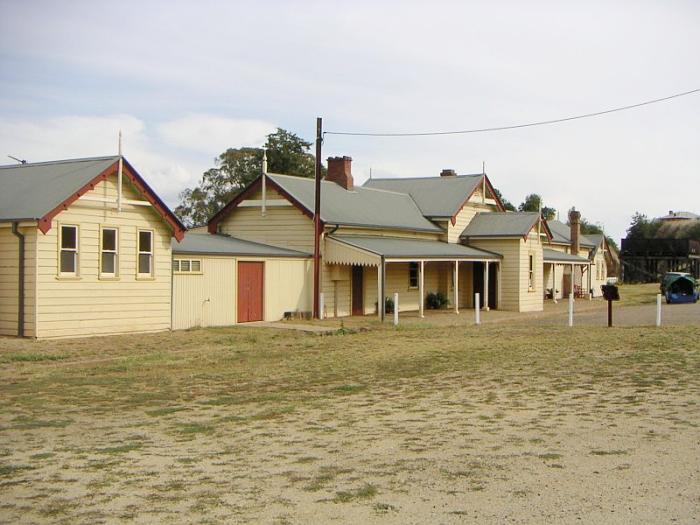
(571,310)
(658,309)
(396,309)
(321,305)
(477,309)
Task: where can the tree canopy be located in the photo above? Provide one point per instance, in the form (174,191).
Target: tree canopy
(235,168)
(533,202)
(642,227)
(506,203)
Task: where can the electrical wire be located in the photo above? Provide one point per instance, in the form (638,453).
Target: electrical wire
(516,126)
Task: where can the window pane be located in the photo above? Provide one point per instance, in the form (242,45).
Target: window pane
(176,266)
(109,240)
(144,263)
(69,237)
(67,261)
(196,266)
(108,262)
(184,266)
(145,241)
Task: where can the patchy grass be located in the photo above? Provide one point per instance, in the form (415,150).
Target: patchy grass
(636,294)
(30,357)
(236,422)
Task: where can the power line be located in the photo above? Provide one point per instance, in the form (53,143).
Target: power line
(516,126)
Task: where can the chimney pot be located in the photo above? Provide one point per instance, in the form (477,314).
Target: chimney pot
(340,171)
(448,173)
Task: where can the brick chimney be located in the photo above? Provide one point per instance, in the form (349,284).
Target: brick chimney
(575,223)
(340,171)
(448,173)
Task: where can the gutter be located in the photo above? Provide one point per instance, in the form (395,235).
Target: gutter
(20,306)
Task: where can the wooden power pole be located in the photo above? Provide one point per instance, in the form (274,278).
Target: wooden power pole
(317,220)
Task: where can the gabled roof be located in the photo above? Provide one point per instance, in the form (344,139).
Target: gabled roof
(437,197)
(561,234)
(683,215)
(414,248)
(208,244)
(40,191)
(360,206)
(503,224)
(596,240)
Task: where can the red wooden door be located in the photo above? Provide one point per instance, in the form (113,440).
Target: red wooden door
(357,289)
(250,291)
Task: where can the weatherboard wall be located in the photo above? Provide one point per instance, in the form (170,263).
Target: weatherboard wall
(88,304)
(9,280)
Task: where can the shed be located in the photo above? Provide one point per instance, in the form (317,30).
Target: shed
(220,280)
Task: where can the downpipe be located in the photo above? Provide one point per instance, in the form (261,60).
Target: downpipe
(20,307)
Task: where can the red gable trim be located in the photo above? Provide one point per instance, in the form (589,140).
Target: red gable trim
(499,204)
(247,192)
(547,231)
(131,174)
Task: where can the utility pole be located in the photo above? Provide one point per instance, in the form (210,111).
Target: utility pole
(317,220)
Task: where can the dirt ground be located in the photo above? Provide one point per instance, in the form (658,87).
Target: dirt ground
(503,423)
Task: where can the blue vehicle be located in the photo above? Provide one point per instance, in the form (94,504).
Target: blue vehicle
(679,287)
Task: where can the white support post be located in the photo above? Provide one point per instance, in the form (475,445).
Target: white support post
(421,284)
(658,309)
(573,278)
(571,310)
(590,283)
(380,300)
(321,305)
(486,286)
(554,283)
(456,286)
(477,309)
(396,309)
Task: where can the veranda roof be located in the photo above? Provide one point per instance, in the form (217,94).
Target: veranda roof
(553,256)
(368,250)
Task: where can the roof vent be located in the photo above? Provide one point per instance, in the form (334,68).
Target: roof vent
(448,173)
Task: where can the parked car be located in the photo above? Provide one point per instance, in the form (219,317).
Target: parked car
(679,287)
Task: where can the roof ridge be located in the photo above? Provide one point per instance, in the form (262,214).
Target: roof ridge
(62,161)
(427,177)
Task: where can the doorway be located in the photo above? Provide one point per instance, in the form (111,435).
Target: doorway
(478,282)
(358,306)
(250,291)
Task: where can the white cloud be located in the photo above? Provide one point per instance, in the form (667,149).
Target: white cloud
(211,134)
(43,139)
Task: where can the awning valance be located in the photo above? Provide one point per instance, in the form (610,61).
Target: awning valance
(368,250)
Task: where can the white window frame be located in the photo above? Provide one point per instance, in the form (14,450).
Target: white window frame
(76,251)
(104,274)
(177,266)
(531,273)
(139,253)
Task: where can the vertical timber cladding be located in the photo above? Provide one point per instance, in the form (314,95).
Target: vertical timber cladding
(250,291)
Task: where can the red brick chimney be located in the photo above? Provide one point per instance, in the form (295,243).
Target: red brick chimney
(575,224)
(340,171)
(448,173)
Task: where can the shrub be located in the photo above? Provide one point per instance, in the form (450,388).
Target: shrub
(435,301)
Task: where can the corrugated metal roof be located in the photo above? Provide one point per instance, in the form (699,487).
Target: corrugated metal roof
(358,207)
(30,191)
(208,244)
(435,196)
(561,234)
(555,256)
(501,224)
(416,248)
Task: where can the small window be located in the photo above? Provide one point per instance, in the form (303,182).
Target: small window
(531,274)
(68,263)
(109,252)
(413,275)
(145,252)
(187,266)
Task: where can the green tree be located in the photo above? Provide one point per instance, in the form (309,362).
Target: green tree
(533,202)
(642,228)
(506,203)
(237,167)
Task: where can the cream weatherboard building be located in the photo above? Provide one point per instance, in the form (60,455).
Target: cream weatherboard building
(85,251)
(79,256)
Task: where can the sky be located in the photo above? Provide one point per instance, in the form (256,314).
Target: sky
(186,80)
